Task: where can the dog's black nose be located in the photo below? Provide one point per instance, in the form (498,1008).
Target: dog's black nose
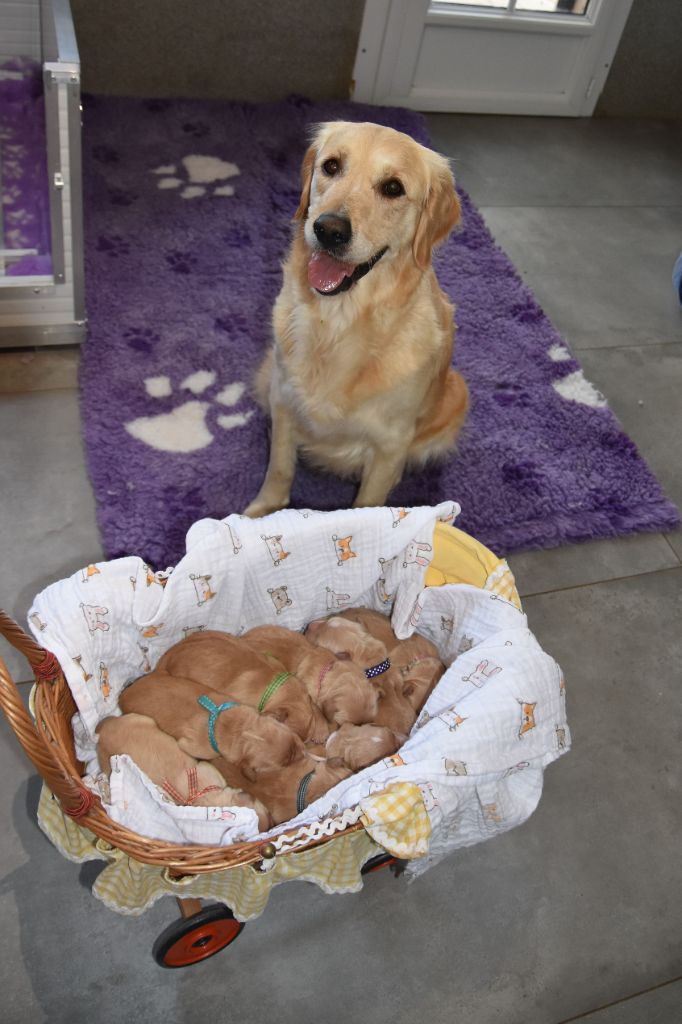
(332,231)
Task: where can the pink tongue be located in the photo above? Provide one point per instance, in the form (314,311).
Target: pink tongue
(325,273)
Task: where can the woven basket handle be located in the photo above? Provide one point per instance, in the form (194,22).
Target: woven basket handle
(36,744)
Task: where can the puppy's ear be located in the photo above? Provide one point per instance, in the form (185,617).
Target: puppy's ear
(335,762)
(307,168)
(281,715)
(408,689)
(440,213)
(248,772)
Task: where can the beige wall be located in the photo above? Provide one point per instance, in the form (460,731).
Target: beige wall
(234,49)
(646,77)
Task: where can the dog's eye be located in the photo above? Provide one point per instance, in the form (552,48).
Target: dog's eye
(392,188)
(331,167)
(342,655)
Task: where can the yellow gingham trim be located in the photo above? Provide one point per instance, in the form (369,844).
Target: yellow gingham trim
(130,888)
(396,819)
(458,558)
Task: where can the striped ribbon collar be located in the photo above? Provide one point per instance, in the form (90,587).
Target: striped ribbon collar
(378,670)
(302,790)
(272,688)
(213,712)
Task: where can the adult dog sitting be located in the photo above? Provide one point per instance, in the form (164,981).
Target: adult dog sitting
(359,378)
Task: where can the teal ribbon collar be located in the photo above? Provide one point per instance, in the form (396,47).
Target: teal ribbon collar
(213,712)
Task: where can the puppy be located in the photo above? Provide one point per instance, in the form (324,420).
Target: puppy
(376,623)
(347,639)
(359,380)
(253,742)
(229,665)
(339,688)
(287,792)
(361,745)
(186,780)
(416,658)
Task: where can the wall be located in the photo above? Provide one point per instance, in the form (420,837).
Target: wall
(237,49)
(646,77)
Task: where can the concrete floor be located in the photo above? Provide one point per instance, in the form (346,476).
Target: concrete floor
(575,915)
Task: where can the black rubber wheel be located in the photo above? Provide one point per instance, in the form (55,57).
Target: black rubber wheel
(382,860)
(191,939)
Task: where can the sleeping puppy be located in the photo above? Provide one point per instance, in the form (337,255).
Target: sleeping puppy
(253,742)
(229,665)
(359,379)
(361,745)
(416,658)
(348,639)
(185,780)
(288,791)
(339,688)
(396,695)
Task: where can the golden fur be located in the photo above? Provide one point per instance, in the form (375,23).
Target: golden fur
(251,741)
(360,382)
(339,688)
(278,790)
(228,664)
(416,657)
(362,745)
(160,757)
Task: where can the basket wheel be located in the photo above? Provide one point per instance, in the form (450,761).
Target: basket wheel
(191,939)
(382,860)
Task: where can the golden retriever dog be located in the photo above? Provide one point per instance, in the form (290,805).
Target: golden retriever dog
(359,379)
(339,688)
(185,780)
(361,745)
(239,733)
(288,791)
(228,664)
(416,658)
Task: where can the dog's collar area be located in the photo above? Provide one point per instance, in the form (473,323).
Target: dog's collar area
(271,689)
(359,272)
(213,712)
(302,790)
(378,670)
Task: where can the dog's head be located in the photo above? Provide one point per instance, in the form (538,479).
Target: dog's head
(371,195)
(347,640)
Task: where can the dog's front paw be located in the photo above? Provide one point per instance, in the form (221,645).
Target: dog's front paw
(260,507)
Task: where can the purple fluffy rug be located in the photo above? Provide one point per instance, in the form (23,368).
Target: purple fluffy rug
(187,217)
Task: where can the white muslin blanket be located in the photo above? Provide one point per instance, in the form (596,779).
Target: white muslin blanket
(479,747)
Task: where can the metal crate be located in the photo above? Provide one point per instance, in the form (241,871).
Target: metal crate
(48,308)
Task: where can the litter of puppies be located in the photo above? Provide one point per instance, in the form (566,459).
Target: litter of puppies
(273,719)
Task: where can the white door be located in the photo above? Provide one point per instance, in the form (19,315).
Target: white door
(488,56)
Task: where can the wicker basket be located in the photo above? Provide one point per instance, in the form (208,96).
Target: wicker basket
(48,741)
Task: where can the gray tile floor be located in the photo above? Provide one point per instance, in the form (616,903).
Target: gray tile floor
(576,915)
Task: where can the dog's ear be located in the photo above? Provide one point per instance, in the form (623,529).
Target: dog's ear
(440,213)
(335,762)
(408,689)
(248,772)
(307,168)
(281,714)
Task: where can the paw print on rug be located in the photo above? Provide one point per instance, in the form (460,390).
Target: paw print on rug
(184,428)
(197,176)
(113,245)
(181,262)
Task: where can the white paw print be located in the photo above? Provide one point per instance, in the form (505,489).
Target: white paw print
(199,175)
(184,429)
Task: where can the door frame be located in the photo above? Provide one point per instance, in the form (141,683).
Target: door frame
(390,39)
